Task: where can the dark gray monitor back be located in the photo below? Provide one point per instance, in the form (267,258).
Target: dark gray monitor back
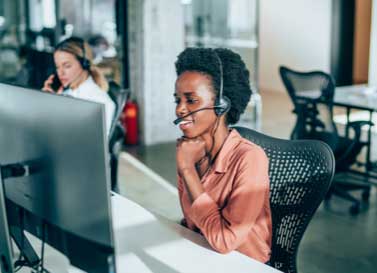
(6,259)
(64,141)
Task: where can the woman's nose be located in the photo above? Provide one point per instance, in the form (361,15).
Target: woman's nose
(181,109)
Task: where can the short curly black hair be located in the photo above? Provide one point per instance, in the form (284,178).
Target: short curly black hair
(236,83)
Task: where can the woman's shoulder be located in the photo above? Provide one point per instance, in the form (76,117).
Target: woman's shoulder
(247,148)
(90,90)
(249,161)
(90,85)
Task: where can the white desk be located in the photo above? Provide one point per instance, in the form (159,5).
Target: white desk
(146,243)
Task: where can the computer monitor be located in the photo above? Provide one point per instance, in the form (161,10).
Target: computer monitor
(63,143)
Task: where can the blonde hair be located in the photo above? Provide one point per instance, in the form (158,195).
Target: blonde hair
(82,51)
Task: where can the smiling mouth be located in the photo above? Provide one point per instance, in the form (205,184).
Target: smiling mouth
(184,124)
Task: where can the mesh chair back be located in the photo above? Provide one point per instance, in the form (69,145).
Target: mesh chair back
(300,175)
(314,116)
(119,97)
(117,132)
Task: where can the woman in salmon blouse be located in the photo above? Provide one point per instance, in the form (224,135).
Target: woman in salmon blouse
(223,181)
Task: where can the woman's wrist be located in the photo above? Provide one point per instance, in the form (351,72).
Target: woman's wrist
(187,170)
(191,179)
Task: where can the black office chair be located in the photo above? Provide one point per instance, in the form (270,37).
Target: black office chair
(117,131)
(314,112)
(300,174)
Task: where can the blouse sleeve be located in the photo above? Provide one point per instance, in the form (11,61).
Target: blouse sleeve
(180,189)
(226,228)
(180,186)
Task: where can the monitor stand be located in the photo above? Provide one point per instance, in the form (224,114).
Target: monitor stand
(26,249)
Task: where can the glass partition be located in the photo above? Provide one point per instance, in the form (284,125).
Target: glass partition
(30,29)
(232,24)
(224,23)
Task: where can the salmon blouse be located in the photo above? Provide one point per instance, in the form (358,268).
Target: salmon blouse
(234,211)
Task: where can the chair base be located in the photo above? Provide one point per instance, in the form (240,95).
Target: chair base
(342,190)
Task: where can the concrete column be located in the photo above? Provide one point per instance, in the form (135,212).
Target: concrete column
(156,38)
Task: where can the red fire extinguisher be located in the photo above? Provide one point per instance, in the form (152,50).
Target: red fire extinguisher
(130,117)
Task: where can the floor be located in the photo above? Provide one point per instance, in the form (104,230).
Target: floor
(334,242)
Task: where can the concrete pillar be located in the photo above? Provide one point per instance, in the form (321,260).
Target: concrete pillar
(156,37)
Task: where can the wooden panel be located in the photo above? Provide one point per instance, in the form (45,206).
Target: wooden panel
(361,41)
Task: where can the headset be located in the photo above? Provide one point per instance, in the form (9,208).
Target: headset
(222,103)
(84,61)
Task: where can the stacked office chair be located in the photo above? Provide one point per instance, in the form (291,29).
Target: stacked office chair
(300,174)
(117,132)
(312,94)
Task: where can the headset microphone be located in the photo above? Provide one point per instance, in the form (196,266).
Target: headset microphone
(65,44)
(222,104)
(178,120)
(68,85)
(83,60)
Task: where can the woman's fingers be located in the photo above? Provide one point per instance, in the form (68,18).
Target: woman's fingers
(48,89)
(47,84)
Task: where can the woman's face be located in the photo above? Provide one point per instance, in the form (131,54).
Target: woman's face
(194,91)
(68,67)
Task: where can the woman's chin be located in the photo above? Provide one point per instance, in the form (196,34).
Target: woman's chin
(188,134)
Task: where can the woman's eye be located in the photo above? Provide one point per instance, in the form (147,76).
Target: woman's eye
(191,101)
(188,101)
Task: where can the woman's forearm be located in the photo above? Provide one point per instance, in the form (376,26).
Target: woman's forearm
(192,182)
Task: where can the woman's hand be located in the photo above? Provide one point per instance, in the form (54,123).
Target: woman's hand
(48,83)
(189,152)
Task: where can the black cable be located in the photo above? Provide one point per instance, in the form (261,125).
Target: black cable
(208,154)
(40,267)
(21,262)
(43,245)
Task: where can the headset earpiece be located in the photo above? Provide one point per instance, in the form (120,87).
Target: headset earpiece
(85,63)
(83,60)
(222,103)
(222,106)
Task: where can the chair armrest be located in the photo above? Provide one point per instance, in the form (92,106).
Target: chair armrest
(357,125)
(117,139)
(360,123)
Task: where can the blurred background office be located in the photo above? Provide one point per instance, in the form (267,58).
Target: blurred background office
(136,43)
(133,42)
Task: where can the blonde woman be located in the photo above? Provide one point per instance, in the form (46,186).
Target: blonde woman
(76,76)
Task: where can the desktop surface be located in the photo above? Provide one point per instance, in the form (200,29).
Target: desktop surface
(360,97)
(147,243)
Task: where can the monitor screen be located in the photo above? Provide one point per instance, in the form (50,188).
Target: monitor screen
(63,141)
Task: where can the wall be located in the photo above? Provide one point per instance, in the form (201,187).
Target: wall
(372,78)
(294,33)
(156,38)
